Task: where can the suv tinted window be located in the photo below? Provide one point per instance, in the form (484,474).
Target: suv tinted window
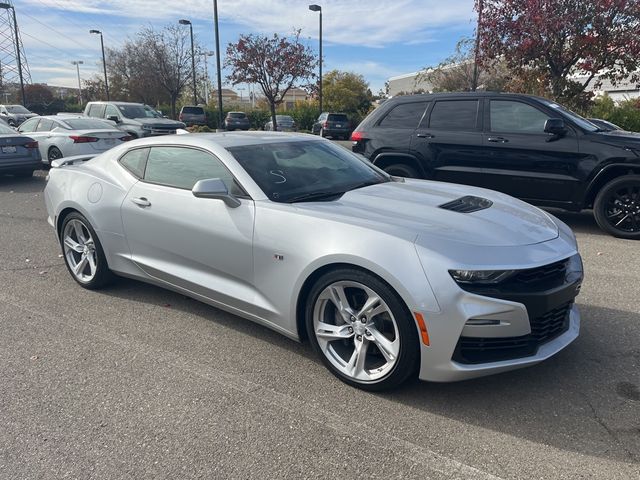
(182,167)
(454,115)
(135,160)
(193,110)
(337,117)
(516,117)
(405,115)
(237,115)
(96,110)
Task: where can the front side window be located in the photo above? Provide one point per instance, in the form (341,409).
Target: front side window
(111,111)
(181,167)
(295,171)
(455,115)
(29,126)
(405,116)
(508,116)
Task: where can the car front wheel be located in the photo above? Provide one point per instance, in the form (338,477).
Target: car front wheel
(361,329)
(83,253)
(402,170)
(617,207)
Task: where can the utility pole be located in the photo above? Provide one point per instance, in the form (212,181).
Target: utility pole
(218,68)
(205,55)
(476,60)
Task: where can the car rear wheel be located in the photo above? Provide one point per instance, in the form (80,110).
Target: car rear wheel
(362,330)
(83,253)
(402,170)
(617,207)
(54,153)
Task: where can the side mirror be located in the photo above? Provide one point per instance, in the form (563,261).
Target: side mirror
(113,118)
(215,188)
(555,126)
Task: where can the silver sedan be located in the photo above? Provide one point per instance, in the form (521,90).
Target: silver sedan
(387,278)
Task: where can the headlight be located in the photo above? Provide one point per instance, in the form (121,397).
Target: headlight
(480,276)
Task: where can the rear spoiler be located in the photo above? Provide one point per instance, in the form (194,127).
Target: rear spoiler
(61,162)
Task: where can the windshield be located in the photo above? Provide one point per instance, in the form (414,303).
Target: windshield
(150,112)
(17,109)
(290,171)
(580,121)
(135,111)
(87,123)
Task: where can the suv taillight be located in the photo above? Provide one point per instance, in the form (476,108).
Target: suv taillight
(325,125)
(357,136)
(180,117)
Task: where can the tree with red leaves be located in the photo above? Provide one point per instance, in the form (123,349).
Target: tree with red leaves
(275,63)
(558,40)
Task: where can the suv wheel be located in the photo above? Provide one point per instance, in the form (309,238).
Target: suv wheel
(617,207)
(402,170)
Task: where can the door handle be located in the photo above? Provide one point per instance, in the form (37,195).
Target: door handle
(497,140)
(424,135)
(141,202)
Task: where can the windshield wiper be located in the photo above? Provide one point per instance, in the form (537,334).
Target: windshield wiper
(367,184)
(314,196)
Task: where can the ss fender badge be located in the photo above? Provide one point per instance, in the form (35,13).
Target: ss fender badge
(277,256)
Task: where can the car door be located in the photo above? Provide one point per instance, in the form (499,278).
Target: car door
(41,134)
(522,160)
(198,244)
(448,141)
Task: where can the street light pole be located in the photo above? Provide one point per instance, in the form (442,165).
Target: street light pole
(104,62)
(206,75)
(193,60)
(476,59)
(219,71)
(77,64)
(7,6)
(318,8)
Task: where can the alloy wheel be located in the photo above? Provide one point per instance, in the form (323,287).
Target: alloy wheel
(80,251)
(356,331)
(54,154)
(622,208)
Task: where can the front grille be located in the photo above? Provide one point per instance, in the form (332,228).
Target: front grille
(162,131)
(545,273)
(471,350)
(468,204)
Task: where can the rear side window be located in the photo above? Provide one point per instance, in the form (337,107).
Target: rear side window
(96,110)
(135,160)
(455,115)
(182,167)
(45,125)
(193,110)
(337,117)
(405,115)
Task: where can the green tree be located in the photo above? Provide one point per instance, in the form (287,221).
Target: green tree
(346,92)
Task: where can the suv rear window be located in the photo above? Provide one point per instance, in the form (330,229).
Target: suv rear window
(237,115)
(454,115)
(405,115)
(337,117)
(193,110)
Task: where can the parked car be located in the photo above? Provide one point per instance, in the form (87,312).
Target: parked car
(14,115)
(604,125)
(63,136)
(525,146)
(193,115)
(334,125)
(236,121)
(387,278)
(284,123)
(19,154)
(137,119)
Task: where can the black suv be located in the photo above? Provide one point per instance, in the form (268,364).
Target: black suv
(334,125)
(525,146)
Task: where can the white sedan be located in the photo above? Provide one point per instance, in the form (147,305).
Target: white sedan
(64,136)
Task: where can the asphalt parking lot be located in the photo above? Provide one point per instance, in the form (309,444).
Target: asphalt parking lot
(138,382)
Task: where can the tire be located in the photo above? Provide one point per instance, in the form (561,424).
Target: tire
(402,170)
(80,245)
(617,207)
(54,153)
(336,337)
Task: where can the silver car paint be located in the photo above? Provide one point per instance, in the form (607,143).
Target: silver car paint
(270,249)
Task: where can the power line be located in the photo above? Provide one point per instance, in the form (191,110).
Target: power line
(57,31)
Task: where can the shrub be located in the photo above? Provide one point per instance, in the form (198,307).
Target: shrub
(626,114)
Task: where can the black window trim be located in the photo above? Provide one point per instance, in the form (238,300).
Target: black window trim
(384,115)
(245,195)
(119,161)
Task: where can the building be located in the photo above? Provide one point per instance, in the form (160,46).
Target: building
(408,83)
(228,96)
(294,95)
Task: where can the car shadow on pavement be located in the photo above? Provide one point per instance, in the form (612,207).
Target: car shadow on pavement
(580,222)
(585,399)
(34,184)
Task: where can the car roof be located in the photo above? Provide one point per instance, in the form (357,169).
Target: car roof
(119,103)
(227,139)
(480,94)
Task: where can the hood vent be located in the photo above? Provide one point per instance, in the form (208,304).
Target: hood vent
(468,204)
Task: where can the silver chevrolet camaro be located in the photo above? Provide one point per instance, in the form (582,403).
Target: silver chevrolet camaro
(386,277)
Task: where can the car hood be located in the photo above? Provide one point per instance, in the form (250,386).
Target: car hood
(412,208)
(159,122)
